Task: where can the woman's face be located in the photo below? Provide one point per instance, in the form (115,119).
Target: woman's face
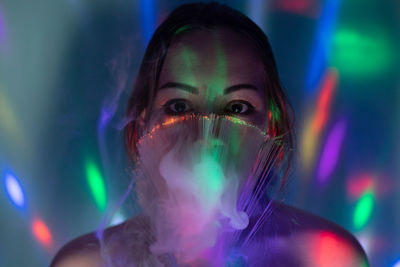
(212,71)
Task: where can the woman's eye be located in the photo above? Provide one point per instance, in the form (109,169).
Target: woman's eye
(239,107)
(176,107)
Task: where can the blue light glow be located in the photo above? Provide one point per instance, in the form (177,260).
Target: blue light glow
(14,189)
(319,53)
(147,19)
(397,264)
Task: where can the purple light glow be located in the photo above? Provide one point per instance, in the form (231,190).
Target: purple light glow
(331,150)
(2,28)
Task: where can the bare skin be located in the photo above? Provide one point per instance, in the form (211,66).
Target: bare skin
(219,72)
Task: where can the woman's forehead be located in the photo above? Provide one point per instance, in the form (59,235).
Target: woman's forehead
(209,56)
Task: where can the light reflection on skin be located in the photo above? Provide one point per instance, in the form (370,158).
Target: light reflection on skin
(213,72)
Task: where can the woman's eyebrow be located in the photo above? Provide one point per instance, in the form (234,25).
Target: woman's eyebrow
(241,86)
(181,86)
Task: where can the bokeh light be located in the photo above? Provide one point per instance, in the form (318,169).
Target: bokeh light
(41,232)
(324,100)
(96,184)
(118,218)
(14,189)
(9,122)
(316,122)
(147,19)
(359,184)
(331,150)
(322,44)
(2,28)
(363,209)
(397,264)
(302,7)
(361,53)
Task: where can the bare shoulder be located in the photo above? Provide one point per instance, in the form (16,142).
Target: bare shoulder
(319,242)
(86,249)
(81,251)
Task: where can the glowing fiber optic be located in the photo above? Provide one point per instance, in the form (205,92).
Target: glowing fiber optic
(331,150)
(41,232)
(14,190)
(96,184)
(363,209)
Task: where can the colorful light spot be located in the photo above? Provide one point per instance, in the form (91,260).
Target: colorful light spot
(322,44)
(209,173)
(366,241)
(309,144)
(324,100)
(2,28)
(331,151)
(147,19)
(397,264)
(360,53)
(301,7)
(96,184)
(41,232)
(118,218)
(363,209)
(331,248)
(9,122)
(316,122)
(14,189)
(359,184)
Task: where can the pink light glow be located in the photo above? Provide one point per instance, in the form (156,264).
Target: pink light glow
(331,151)
(357,185)
(2,28)
(309,8)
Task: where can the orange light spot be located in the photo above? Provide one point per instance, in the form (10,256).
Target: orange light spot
(324,100)
(41,232)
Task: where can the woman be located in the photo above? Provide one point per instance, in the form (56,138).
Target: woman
(209,60)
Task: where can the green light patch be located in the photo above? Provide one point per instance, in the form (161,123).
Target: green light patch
(96,184)
(359,53)
(363,210)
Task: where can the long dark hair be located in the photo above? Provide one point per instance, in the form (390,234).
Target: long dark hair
(206,16)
